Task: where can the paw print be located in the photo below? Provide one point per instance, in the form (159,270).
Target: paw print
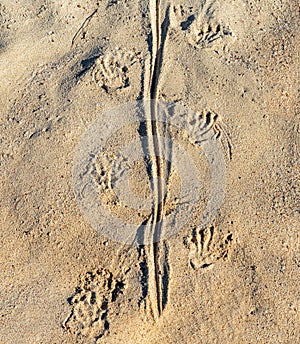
(88,319)
(203,27)
(208,34)
(111,70)
(207,247)
(107,168)
(199,126)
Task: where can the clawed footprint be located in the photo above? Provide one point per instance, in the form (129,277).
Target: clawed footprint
(203,27)
(111,70)
(206,249)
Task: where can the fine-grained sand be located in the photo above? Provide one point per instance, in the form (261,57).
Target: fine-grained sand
(125,220)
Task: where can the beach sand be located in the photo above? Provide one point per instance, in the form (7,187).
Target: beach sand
(125,220)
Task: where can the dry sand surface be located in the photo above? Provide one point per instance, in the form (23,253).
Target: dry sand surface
(125,220)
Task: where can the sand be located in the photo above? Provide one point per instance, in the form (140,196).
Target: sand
(125,220)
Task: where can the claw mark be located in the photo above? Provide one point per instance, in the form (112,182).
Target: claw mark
(220,131)
(207,247)
(205,122)
(203,26)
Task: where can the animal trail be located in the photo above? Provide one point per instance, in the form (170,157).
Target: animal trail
(207,246)
(111,71)
(91,304)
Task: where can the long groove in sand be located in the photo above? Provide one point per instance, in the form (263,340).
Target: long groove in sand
(157,186)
